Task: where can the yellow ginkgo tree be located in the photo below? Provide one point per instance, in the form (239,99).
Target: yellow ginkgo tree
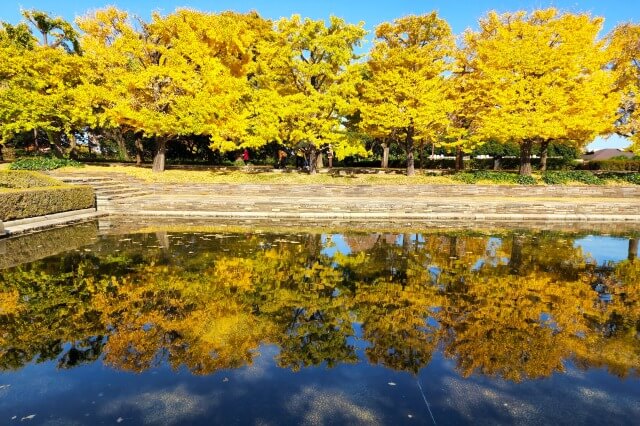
(41,81)
(176,76)
(539,77)
(625,48)
(405,94)
(306,85)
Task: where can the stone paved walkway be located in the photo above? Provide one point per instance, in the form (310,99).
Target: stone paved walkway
(123,195)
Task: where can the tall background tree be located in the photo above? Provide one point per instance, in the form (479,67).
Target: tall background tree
(308,83)
(539,77)
(42,79)
(405,92)
(625,48)
(176,76)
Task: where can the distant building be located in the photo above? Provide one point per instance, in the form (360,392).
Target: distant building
(606,154)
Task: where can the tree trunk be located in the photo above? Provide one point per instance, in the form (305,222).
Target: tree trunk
(312,160)
(54,144)
(139,152)
(319,161)
(122,148)
(497,162)
(544,152)
(411,171)
(160,154)
(453,249)
(73,147)
(35,140)
(421,157)
(385,155)
(1,155)
(93,139)
(525,157)
(459,159)
(633,248)
(516,261)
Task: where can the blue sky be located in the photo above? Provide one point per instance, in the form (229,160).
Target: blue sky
(460,14)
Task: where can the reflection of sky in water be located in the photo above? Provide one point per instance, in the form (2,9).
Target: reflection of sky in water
(604,248)
(363,392)
(334,243)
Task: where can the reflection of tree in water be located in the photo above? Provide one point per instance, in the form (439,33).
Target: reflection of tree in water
(515,307)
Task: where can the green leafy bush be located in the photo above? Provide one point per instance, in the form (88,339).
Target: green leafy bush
(633,178)
(564,177)
(495,177)
(555,178)
(32,202)
(43,163)
(586,177)
(466,177)
(526,180)
(25,179)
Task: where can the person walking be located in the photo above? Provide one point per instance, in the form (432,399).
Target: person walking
(282,159)
(245,155)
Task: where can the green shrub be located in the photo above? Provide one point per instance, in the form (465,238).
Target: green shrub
(555,178)
(526,180)
(466,177)
(564,177)
(32,202)
(633,178)
(25,179)
(495,177)
(584,176)
(43,163)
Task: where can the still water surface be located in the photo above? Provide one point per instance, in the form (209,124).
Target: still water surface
(268,328)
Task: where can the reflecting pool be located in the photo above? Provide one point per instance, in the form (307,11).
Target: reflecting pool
(179,325)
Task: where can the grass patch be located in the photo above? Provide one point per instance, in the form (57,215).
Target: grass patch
(260,176)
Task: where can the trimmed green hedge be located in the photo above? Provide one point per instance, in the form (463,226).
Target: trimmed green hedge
(628,165)
(25,179)
(23,203)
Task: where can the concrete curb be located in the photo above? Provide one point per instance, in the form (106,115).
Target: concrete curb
(431,216)
(39,223)
(47,217)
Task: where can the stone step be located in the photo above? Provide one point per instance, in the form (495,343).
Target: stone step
(125,195)
(83,180)
(115,191)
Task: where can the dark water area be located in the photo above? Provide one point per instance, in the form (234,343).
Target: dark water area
(278,327)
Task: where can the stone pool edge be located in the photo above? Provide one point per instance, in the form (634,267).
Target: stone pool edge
(39,223)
